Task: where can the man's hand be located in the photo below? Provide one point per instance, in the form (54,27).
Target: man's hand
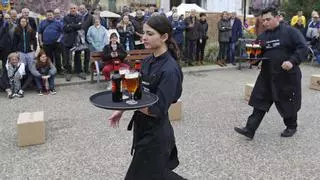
(287,65)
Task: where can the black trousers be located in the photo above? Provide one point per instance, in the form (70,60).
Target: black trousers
(54,52)
(257,115)
(223,50)
(200,49)
(77,61)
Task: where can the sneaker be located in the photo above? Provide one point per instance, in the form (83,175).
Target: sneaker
(20,93)
(53,91)
(288,132)
(68,77)
(82,75)
(40,93)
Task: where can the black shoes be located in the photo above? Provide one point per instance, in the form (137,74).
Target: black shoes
(244,131)
(288,132)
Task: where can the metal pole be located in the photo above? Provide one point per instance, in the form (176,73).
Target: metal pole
(244,11)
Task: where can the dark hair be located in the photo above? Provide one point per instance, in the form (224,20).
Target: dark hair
(162,25)
(274,12)
(113,35)
(202,14)
(19,28)
(49,11)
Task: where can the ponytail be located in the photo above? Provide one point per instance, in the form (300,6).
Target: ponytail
(173,48)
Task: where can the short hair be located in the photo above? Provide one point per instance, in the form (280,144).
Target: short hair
(12,55)
(274,12)
(202,14)
(113,35)
(49,11)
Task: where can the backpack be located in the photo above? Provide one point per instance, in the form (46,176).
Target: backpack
(80,43)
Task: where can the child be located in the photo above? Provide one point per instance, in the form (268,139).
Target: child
(16,71)
(44,72)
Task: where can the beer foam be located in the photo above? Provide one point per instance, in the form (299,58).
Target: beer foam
(248,45)
(256,46)
(132,75)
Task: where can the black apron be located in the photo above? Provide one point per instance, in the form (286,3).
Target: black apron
(154,150)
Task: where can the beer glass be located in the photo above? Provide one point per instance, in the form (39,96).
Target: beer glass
(249,49)
(258,51)
(132,82)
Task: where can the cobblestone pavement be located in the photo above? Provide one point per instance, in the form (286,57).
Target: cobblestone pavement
(81,145)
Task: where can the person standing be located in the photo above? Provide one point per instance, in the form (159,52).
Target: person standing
(71,25)
(224,28)
(201,44)
(50,32)
(296,17)
(155,151)
(236,33)
(178,27)
(279,81)
(97,36)
(31,21)
(192,36)
(126,31)
(86,22)
(138,27)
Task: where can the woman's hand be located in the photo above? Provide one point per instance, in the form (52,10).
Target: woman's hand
(115,118)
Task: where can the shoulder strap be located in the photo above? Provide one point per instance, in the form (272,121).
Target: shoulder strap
(14,72)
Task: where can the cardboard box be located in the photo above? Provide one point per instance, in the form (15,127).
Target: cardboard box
(248,90)
(315,82)
(175,111)
(31,128)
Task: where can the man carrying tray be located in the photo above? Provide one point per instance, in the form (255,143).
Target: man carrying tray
(279,81)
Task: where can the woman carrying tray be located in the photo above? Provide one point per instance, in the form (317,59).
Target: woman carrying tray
(155,152)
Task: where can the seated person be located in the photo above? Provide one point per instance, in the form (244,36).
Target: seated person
(44,73)
(114,51)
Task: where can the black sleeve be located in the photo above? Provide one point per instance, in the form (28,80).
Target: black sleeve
(122,52)
(106,53)
(16,41)
(299,45)
(170,81)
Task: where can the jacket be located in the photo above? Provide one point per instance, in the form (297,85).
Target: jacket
(203,29)
(43,71)
(178,29)
(107,50)
(236,32)
(224,28)
(71,24)
(274,84)
(23,40)
(192,32)
(97,38)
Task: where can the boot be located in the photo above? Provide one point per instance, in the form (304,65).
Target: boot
(219,63)
(224,62)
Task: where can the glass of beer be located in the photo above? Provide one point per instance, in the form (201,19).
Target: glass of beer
(258,50)
(132,82)
(249,49)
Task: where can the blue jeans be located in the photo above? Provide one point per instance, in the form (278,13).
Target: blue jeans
(40,85)
(232,52)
